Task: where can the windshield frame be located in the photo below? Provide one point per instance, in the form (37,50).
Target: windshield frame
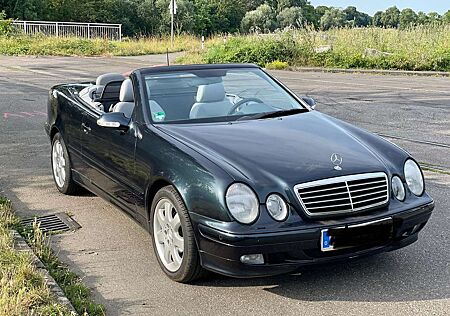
(225,67)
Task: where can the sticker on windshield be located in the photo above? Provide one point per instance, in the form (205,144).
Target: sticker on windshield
(159,116)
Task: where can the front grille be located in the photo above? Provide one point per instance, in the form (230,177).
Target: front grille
(343,194)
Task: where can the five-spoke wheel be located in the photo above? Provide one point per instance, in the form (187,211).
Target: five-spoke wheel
(173,237)
(58,163)
(62,173)
(168,235)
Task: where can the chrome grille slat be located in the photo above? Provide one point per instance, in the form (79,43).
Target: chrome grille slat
(337,188)
(365,184)
(344,194)
(318,207)
(325,201)
(368,200)
(327,195)
(369,194)
(371,188)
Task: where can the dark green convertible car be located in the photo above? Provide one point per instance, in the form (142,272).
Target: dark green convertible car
(232,172)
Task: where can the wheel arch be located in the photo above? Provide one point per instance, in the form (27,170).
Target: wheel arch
(53,131)
(153,188)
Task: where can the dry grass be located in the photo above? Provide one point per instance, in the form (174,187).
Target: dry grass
(23,290)
(418,48)
(52,46)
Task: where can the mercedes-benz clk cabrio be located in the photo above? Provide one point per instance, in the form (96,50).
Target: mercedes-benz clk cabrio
(233,173)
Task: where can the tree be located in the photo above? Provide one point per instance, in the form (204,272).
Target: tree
(446,17)
(376,20)
(434,17)
(28,9)
(391,17)
(291,17)
(284,4)
(253,4)
(422,18)
(333,18)
(408,18)
(148,13)
(260,20)
(229,15)
(355,18)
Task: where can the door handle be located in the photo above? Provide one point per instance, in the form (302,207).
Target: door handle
(86,129)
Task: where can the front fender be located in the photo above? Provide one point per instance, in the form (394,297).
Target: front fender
(200,182)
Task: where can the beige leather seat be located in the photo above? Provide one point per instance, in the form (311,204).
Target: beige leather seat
(126,104)
(211,101)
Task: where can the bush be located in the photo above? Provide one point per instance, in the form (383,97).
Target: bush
(416,48)
(253,49)
(277,65)
(6,26)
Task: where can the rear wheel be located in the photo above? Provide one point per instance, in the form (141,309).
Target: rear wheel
(173,237)
(62,174)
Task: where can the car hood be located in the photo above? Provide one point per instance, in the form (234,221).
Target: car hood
(288,150)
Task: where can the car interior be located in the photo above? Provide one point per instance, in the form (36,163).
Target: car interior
(114,93)
(186,96)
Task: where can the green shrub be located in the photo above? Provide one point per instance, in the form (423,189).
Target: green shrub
(277,65)
(6,26)
(416,48)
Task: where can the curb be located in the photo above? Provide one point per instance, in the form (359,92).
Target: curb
(21,245)
(373,71)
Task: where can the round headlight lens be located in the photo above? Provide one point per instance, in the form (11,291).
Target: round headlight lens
(398,189)
(277,207)
(242,203)
(414,177)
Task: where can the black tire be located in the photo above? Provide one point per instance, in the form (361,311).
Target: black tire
(69,187)
(190,269)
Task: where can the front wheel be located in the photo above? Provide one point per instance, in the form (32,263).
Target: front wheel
(173,237)
(61,168)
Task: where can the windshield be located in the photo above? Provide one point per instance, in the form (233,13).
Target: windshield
(214,95)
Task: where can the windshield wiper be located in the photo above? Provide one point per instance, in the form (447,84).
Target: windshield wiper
(272,114)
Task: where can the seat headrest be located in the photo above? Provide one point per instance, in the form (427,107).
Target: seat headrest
(211,93)
(103,80)
(126,91)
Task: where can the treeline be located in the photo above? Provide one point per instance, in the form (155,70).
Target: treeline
(206,17)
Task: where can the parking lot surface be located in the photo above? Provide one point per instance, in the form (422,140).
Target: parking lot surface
(114,256)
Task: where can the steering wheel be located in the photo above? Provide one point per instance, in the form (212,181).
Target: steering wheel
(243,101)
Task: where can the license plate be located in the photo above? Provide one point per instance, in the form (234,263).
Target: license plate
(379,231)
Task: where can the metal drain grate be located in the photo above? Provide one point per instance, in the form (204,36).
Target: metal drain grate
(60,222)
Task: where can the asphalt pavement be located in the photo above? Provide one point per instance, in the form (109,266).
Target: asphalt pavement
(114,256)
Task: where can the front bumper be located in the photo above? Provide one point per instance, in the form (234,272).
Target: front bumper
(287,251)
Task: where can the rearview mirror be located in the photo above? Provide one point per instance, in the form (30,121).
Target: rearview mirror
(115,120)
(310,101)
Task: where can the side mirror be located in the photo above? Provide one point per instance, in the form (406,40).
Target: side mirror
(310,101)
(115,120)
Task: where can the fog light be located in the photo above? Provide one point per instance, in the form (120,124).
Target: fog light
(253,259)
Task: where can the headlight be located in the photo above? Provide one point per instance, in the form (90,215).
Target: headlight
(277,207)
(414,177)
(398,189)
(242,203)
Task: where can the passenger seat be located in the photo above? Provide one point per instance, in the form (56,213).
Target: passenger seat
(126,104)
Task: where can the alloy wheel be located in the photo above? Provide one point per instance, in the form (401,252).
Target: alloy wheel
(168,235)
(58,163)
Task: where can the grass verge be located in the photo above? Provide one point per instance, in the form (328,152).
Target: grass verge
(53,46)
(22,288)
(418,48)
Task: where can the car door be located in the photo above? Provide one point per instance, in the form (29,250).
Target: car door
(72,116)
(109,158)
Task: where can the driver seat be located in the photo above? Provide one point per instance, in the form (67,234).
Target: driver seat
(211,101)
